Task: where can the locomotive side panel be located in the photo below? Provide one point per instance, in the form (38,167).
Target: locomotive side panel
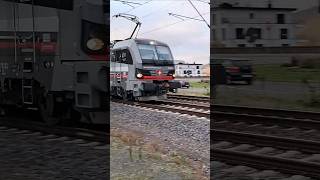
(53,55)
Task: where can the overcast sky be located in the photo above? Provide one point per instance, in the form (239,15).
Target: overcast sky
(188,39)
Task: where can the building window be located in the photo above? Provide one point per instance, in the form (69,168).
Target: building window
(239,33)
(251,15)
(281,19)
(254,33)
(283,33)
(224,34)
(184,72)
(241,45)
(259,45)
(224,20)
(285,45)
(198,72)
(197,67)
(259,34)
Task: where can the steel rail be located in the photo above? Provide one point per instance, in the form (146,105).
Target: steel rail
(305,146)
(251,110)
(290,166)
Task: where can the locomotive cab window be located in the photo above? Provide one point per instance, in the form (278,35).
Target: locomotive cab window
(147,52)
(164,53)
(123,56)
(113,56)
(126,57)
(154,52)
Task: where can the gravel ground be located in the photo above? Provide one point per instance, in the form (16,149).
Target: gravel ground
(30,156)
(144,164)
(181,133)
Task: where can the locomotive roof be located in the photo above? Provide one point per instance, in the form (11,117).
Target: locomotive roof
(149,41)
(119,43)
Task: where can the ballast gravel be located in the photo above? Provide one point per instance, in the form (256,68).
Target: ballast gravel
(26,155)
(183,133)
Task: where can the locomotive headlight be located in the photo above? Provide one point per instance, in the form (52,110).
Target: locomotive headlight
(174,75)
(95,44)
(139,75)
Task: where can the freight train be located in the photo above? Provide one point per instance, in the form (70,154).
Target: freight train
(141,69)
(53,57)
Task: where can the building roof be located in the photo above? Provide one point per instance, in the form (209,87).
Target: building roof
(226,6)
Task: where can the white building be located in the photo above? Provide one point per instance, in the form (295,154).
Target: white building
(236,25)
(188,70)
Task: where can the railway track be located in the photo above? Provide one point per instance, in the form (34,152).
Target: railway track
(87,134)
(219,108)
(183,108)
(265,151)
(234,115)
(204,99)
(292,156)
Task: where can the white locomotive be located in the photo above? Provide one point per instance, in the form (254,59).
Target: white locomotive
(141,69)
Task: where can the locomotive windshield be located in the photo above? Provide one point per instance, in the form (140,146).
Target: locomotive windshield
(155,53)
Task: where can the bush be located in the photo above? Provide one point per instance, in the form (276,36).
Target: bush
(205,81)
(310,63)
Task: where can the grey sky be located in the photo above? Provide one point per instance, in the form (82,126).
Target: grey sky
(189,39)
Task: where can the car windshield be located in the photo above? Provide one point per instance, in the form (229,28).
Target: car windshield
(152,52)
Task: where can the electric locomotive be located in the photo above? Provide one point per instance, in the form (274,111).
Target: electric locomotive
(141,69)
(54,58)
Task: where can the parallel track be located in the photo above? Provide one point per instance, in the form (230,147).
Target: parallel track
(73,132)
(163,105)
(219,108)
(284,165)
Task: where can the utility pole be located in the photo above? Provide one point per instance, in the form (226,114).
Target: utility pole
(199,13)
(192,18)
(129,3)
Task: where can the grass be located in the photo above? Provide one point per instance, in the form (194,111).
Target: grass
(196,89)
(276,73)
(200,85)
(265,101)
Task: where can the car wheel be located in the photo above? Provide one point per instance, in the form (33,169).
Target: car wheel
(249,82)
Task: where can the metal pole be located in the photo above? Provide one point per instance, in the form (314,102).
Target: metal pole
(15,33)
(134,30)
(34,38)
(199,13)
